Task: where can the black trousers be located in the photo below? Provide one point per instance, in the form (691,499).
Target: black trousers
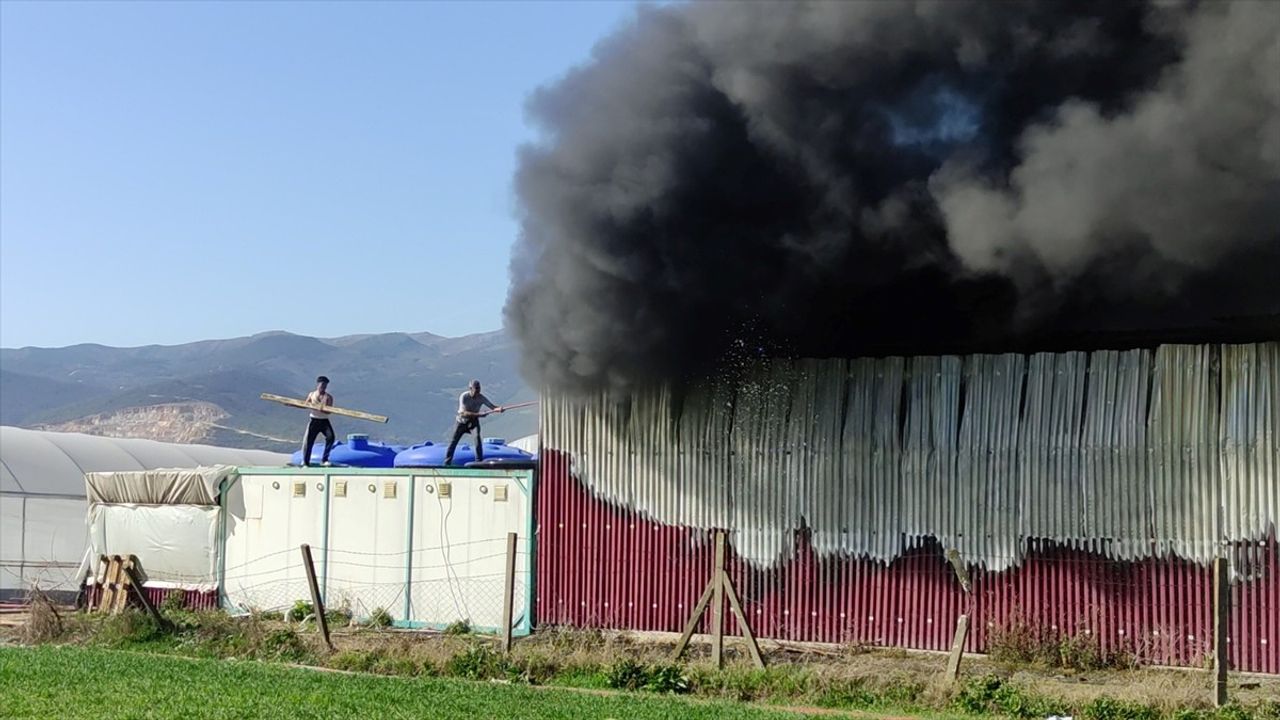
(461,429)
(316,427)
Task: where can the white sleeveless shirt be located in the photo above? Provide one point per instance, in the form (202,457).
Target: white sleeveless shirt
(321,398)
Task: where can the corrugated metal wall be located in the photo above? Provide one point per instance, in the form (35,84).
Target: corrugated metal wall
(1085,491)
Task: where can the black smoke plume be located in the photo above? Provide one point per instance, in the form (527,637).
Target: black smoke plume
(853,178)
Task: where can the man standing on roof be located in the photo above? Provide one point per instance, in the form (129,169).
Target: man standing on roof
(470,405)
(319,422)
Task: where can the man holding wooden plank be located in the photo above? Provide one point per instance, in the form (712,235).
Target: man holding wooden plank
(470,409)
(319,422)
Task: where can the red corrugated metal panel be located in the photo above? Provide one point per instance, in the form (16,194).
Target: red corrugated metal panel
(602,566)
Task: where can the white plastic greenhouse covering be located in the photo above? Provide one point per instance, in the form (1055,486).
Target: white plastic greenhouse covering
(43,533)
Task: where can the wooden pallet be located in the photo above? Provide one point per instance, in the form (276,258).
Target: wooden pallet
(114,583)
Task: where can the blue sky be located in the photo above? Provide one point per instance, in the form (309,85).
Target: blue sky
(179,171)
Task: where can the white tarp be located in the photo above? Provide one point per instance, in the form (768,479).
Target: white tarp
(168,486)
(43,535)
(176,545)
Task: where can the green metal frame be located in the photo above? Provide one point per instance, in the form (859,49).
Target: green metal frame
(223,487)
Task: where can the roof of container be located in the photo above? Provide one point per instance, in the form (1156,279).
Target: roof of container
(39,462)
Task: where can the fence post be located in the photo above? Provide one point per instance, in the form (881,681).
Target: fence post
(508,593)
(316,601)
(719,586)
(957,648)
(1221,623)
(717,603)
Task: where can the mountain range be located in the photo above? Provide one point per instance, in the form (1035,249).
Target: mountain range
(207,391)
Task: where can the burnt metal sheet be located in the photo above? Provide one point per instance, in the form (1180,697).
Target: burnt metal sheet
(1077,485)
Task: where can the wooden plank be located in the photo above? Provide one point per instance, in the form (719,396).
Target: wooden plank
(316,601)
(509,586)
(736,607)
(1221,624)
(122,587)
(107,602)
(717,603)
(294,402)
(140,592)
(693,620)
(957,648)
(106,579)
(100,576)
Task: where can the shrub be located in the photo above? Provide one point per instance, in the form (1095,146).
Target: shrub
(380,618)
(626,675)
(667,679)
(301,610)
(284,644)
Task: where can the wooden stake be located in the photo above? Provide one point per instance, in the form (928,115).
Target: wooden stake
(957,648)
(1221,622)
(736,606)
(717,604)
(316,600)
(294,402)
(508,599)
(689,627)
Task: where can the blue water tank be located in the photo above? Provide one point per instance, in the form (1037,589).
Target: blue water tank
(429,455)
(357,451)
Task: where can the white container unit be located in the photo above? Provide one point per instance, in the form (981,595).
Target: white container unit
(427,546)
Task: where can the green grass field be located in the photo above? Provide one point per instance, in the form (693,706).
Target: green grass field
(71,682)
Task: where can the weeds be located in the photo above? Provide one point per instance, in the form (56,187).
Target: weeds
(990,694)
(626,675)
(127,628)
(284,644)
(461,627)
(301,610)
(175,601)
(380,618)
(1105,708)
(1023,641)
(631,675)
(477,662)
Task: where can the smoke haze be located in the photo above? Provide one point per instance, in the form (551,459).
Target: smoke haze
(852,178)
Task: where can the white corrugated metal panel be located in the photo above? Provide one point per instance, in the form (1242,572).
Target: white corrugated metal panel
(986,487)
(1116,484)
(867,489)
(1183,438)
(1250,439)
(1114,452)
(1050,465)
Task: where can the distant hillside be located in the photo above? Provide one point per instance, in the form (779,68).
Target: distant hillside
(152,391)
